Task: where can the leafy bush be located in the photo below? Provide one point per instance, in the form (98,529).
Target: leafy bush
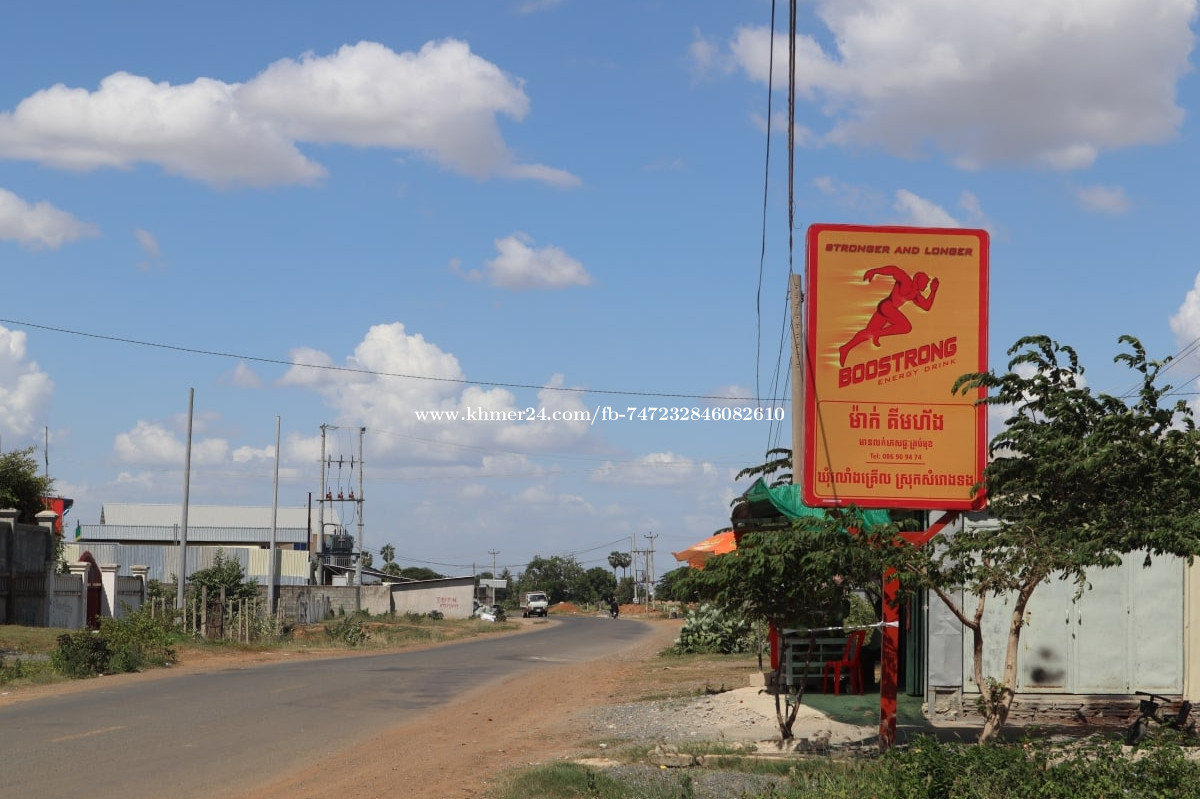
(131,643)
(80,654)
(709,629)
(349,630)
(138,640)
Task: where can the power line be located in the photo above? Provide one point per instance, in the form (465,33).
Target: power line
(372,372)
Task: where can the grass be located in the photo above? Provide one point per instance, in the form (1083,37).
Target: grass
(24,651)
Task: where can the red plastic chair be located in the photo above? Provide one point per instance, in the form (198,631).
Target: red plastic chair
(851,660)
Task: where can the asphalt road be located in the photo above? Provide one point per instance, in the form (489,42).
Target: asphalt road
(209,733)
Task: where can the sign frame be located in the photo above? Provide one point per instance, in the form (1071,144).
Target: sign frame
(892,316)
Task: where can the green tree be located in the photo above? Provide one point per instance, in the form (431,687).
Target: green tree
(420,573)
(388,553)
(21,486)
(1075,480)
(672,586)
(801,577)
(225,574)
(557,575)
(776,469)
(619,560)
(595,585)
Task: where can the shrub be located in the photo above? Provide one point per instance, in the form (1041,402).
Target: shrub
(80,654)
(138,639)
(709,629)
(349,630)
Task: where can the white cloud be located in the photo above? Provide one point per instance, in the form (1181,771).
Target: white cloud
(520,266)
(442,101)
(1053,83)
(25,390)
(922,212)
(398,374)
(243,376)
(40,224)
(1102,199)
(1185,325)
(148,243)
(655,469)
(149,443)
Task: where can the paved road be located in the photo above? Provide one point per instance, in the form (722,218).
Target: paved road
(208,733)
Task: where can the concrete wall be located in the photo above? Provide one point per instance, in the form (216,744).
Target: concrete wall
(453,597)
(312,604)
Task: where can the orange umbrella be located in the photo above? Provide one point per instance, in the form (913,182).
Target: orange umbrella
(698,554)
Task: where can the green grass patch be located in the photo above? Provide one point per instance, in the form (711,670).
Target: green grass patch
(29,640)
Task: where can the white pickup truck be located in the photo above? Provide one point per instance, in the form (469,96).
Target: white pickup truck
(534,603)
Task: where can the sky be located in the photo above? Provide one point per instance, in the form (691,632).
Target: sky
(348,215)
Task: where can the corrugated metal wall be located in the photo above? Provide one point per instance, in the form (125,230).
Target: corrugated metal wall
(163,560)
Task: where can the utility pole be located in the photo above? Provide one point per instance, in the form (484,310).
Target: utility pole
(181,578)
(493,553)
(650,569)
(633,553)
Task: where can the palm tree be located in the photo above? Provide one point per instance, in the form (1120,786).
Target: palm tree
(388,553)
(622,559)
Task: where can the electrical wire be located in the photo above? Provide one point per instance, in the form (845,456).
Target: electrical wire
(374,373)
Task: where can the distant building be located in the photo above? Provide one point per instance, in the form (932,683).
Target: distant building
(131,533)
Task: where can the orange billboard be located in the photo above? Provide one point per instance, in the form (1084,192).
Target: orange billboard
(892,317)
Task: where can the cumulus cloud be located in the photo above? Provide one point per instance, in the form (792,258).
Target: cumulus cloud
(519,265)
(922,212)
(442,101)
(1185,325)
(1052,83)
(25,390)
(39,225)
(149,443)
(401,383)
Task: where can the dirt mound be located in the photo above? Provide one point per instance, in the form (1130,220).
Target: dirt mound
(564,607)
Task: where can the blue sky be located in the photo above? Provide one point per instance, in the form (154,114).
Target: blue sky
(559,205)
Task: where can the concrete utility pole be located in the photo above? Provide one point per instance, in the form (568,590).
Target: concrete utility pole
(650,569)
(187,480)
(271,577)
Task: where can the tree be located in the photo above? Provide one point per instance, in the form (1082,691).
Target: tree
(557,575)
(800,577)
(21,487)
(1075,481)
(388,553)
(225,574)
(672,586)
(778,463)
(595,585)
(619,560)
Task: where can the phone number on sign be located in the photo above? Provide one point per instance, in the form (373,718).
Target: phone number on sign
(652,413)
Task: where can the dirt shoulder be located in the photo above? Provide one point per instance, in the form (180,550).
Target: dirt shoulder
(461,749)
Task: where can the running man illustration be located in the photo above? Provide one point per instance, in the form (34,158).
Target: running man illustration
(888,319)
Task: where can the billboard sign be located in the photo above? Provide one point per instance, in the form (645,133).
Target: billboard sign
(892,317)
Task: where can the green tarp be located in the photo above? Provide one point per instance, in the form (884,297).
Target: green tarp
(786,500)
